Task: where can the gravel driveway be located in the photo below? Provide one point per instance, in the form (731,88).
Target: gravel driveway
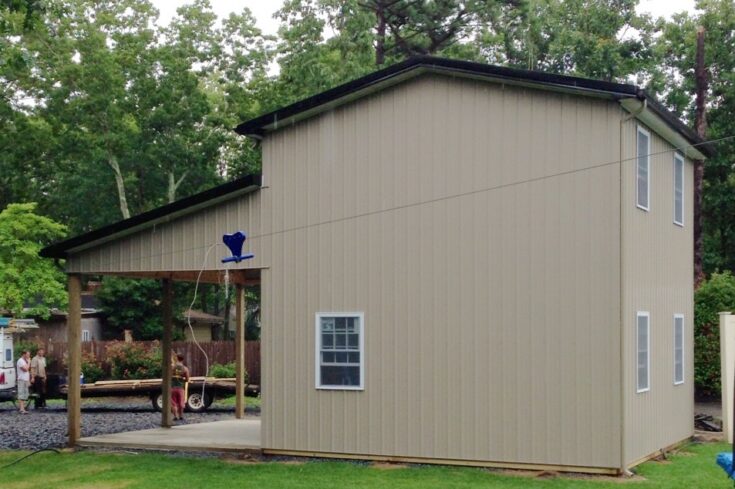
(47,427)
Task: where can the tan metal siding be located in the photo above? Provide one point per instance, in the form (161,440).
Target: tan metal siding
(657,277)
(490,292)
(180,244)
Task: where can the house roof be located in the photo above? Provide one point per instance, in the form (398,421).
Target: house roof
(155,216)
(416,66)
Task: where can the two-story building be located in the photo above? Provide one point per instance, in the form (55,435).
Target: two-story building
(460,264)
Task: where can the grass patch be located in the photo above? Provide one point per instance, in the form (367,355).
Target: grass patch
(149,470)
(229,401)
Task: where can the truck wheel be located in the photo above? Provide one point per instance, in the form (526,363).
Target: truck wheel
(157,401)
(195,403)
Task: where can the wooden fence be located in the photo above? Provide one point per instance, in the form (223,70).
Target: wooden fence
(217,351)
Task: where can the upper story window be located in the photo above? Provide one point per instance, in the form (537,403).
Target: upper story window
(340,362)
(643,169)
(678,349)
(643,346)
(678,189)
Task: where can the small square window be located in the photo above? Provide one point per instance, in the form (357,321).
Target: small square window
(340,360)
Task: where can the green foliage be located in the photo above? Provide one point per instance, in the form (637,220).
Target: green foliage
(134,361)
(225,371)
(92,369)
(132,304)
(21,345)
(136,305)
(29,284)
(714,296)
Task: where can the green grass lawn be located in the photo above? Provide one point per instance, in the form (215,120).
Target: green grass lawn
(693,468)
(250,402)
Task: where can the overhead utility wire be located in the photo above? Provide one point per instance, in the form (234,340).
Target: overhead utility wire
(447,197)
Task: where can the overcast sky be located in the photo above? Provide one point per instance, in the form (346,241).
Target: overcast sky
(263,9)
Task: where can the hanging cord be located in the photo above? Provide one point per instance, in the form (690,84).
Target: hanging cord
(188,319)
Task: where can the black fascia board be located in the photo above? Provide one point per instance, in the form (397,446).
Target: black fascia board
(256,126)
(660,110)
(59,249)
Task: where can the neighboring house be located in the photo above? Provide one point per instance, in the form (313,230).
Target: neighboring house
(206,327)
(54,328)
(459,263)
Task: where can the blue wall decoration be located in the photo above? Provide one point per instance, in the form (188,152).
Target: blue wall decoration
(234,242)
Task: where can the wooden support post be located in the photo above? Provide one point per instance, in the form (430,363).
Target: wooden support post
(166,351)
(74,337)
(240,352)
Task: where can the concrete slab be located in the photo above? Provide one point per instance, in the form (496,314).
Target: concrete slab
(236,435)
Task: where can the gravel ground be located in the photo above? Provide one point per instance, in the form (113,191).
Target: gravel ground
(45,428)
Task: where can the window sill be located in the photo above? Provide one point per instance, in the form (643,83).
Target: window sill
(340,388)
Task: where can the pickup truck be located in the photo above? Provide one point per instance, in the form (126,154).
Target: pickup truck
(8,387)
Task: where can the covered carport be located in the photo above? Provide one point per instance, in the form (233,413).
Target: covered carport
(181,241)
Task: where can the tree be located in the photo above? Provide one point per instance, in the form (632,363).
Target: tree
(603,39)
(136,305)
(676,82)
(30,285)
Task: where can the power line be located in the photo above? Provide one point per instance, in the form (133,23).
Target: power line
(446,197)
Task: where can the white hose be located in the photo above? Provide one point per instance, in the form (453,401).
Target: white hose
(188,319)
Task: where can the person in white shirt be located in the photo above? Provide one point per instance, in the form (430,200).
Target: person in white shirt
(24,379)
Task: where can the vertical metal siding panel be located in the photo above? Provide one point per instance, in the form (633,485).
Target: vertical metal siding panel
(659,280)
(464,294)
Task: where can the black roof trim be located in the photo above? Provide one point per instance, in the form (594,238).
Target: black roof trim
(59,249)
(257,127)
(660,110)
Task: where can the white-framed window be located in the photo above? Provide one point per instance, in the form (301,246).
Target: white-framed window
(678,189)
(643,347)
(340,352)
(643,169)
(85,335)
(678,349)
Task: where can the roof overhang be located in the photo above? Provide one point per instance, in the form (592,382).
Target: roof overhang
(652,114)
(159,215)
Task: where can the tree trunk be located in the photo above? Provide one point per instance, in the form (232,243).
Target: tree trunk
(700,123)
(174,185)
(120,182)
(380,41)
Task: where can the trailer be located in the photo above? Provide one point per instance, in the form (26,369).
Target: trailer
(201,391)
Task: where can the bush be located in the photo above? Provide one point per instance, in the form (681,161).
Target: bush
(25,345)
(134,361)
(225,371)
(714,296)
(92,369)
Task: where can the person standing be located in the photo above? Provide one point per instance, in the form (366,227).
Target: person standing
(38,377)
(24,380)
(179,378)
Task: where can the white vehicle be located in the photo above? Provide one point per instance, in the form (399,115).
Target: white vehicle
(7,364)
